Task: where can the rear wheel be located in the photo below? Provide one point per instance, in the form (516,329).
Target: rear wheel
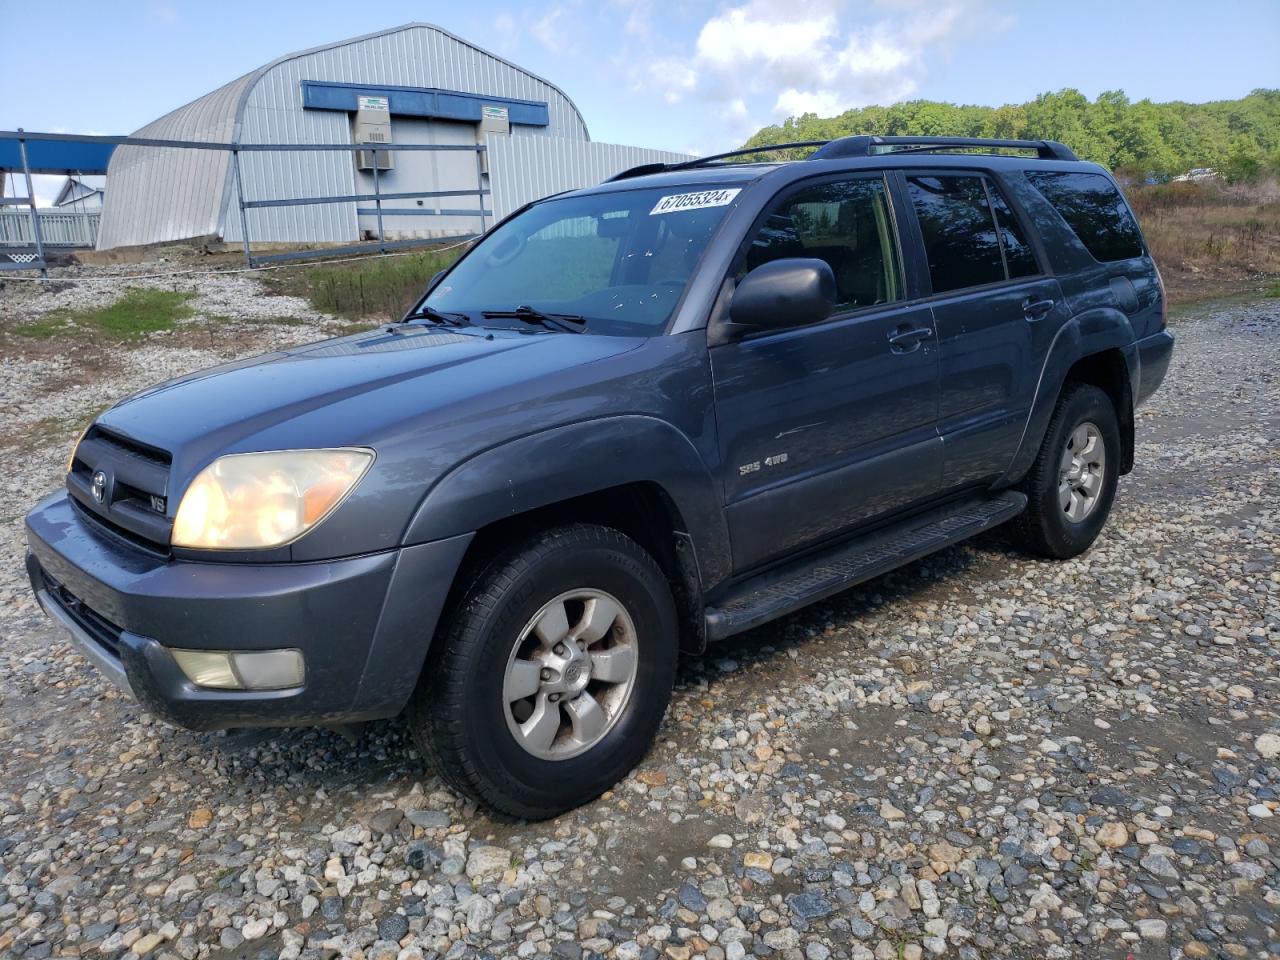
(550,680)
(1072,484)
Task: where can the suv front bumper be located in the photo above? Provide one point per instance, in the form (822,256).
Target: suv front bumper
(363,623)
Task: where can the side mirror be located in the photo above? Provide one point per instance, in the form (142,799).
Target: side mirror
(436,278)
(784,293)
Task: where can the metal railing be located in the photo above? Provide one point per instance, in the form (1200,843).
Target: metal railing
(39,241)
(58,228)
(29,201)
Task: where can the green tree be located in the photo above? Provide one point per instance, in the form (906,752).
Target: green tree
(1239,137)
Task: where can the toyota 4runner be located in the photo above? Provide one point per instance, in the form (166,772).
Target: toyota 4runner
(630,420)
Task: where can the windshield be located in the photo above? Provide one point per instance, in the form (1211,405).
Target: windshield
(618,261)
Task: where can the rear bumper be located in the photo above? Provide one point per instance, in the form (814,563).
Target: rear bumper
(1154,354)
(363,623)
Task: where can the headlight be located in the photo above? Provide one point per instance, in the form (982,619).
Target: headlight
(248,501)
(71,454)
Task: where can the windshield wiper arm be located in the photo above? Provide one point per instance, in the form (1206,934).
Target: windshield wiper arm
(564,322)
(438,316)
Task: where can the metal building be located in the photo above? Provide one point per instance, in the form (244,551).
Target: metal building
(414,84)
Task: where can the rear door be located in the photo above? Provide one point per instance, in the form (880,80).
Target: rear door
(825,426)
(989,294)
(1117,270)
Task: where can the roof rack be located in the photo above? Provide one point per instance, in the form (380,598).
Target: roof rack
(646,168)
(866,146)
(863,145)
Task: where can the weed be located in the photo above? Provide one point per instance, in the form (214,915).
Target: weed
(141,311)
(137,313)
(1208,237)
(44,328)
(365,289)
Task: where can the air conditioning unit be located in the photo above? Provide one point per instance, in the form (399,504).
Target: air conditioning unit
(372,124)
(375,159)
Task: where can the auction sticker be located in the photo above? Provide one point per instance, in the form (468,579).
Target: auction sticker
(678,202)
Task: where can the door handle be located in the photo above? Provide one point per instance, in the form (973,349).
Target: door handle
(1035,309)
(906,339)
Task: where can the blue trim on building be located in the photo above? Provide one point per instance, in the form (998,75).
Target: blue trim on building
(421,102)
(57,156)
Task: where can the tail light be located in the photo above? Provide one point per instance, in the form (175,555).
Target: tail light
(1164,297)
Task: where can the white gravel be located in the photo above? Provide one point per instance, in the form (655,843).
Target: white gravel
(978,756)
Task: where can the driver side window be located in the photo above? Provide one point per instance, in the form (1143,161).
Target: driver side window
(847,223)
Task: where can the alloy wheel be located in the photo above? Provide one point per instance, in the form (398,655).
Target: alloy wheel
(1082,472)
(570,674)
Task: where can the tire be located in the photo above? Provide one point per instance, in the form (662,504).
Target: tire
(1053,525)
(464,714)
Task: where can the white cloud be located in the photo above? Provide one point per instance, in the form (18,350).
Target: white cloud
(784,58)
(506,32)
(639,13)
(796,103)
(46,187)
(550,29)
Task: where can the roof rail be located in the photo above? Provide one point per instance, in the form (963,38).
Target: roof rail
(643,170)
(647,168)
(867,146)
(863,145)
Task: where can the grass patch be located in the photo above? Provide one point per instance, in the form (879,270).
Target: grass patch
(138,312)
(1211,239)
(380,287)
(44,328)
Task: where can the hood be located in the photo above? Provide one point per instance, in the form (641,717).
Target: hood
(343,392)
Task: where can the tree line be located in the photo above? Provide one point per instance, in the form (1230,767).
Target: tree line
(1238,138)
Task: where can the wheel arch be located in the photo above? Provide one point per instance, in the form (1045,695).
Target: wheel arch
(636,474)
(1109,371)
(1096,347)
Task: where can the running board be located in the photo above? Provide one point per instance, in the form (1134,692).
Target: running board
(798,584)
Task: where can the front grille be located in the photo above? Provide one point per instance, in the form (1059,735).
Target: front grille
(124,485)
(105,633)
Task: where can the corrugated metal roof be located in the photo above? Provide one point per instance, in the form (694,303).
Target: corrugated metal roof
(159,194)
(529,168)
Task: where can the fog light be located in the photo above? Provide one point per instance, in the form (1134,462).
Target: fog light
(242,669)
(207,668)
(269,669)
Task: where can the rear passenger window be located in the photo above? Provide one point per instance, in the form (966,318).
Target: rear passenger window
(1094,210)
(1018,256)
(959,231)
(847,224)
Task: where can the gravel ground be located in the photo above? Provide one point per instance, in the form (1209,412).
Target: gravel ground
(978,756)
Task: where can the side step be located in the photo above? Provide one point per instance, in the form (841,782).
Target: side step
(779,592)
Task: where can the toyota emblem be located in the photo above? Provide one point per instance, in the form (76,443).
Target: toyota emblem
(99,486)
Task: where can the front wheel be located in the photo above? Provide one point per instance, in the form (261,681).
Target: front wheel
(1072,483)
(550,680)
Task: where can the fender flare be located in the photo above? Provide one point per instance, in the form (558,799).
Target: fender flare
(572,460)
(1085,334)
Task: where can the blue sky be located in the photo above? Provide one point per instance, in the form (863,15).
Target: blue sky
(698,76)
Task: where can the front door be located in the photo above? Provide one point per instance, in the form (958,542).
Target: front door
(826,426)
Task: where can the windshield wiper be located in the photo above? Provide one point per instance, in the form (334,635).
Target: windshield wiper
(438,316)
(564,322)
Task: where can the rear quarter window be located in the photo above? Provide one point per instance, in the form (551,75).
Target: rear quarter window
(1095,212)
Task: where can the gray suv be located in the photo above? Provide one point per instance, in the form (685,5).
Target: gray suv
(630,421)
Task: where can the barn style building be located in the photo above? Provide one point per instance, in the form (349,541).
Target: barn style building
(415,84)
